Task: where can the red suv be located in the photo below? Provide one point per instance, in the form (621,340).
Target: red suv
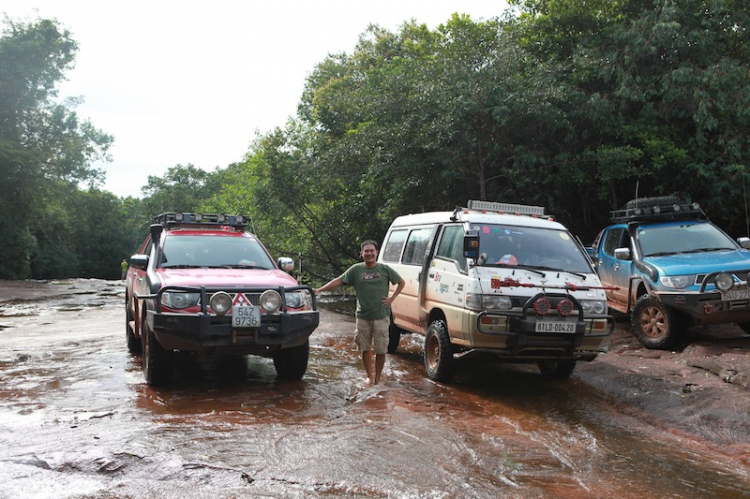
(201,283)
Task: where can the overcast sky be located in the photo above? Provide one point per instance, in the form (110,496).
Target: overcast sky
(190,82)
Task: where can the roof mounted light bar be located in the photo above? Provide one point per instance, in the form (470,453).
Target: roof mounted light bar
(519,209)
(201,219)
(675,211)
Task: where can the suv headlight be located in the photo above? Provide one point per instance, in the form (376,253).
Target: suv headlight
(676,281)
(594,307)
(179,299)
(296,299)
(488,302)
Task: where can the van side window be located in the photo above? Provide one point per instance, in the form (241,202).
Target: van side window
(394,245)
(416,245)
(452,246)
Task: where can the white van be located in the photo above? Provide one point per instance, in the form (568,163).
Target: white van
(495,280)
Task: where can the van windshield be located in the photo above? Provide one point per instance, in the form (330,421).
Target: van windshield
(549,249)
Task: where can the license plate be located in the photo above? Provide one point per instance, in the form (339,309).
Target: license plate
(555,327)
(735,294)
(245,316)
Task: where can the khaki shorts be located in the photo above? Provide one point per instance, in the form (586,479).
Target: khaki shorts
(372,334)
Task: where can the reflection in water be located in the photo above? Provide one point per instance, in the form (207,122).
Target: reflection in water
(77,417)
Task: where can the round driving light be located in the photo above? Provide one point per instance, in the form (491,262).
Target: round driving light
(696,206)
(239,219)
(542,306)
(198,217)
(178,217)
(657,209)
(270,301)
(724,282)
(220,218)
(221,302)
(676,207)
(565,307)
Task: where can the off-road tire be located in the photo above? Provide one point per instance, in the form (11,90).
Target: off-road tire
(134,344)
(157,361)
(653,201)
(557,369)
(394,338)
(656,325)
(438,353)
(291,363)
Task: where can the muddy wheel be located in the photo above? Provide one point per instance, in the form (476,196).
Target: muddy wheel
(291,363)
(394,338)
(556,369)
(438,353)
(157,361)
(655,325)
(134,344)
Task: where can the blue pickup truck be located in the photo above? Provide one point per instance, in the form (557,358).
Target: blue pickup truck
(669,267)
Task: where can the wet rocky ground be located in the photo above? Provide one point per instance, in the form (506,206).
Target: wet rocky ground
(77,419)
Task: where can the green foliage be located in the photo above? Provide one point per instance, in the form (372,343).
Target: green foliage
(44,149)
(576,106)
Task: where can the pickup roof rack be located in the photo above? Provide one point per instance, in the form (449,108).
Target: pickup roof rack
(173,218)
(676,211)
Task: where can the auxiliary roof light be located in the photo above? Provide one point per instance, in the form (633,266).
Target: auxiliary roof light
(178,217)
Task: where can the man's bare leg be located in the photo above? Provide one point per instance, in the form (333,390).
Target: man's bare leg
(379,363)
(367,361)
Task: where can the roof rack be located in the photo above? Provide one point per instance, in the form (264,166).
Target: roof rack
(168,219)
(677,211)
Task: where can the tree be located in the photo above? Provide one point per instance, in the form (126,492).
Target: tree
(42,142)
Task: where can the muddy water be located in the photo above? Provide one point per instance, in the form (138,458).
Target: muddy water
(78,420)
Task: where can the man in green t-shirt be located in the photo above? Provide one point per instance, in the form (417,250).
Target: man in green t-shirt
(371,282)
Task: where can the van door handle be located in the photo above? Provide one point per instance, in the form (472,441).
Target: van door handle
(431,276)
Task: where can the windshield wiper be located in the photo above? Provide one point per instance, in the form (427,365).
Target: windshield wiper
(236,266)
(550,269)
(706,250)
(661,253)
(512,266)
(181,266)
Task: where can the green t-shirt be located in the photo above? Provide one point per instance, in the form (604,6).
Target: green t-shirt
(371,286)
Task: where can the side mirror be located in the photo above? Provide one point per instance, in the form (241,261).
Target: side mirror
(286,264)
(622,253)
(139,262)
(744,242)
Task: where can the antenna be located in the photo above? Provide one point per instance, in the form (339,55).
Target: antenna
(637,185)
(744,192)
